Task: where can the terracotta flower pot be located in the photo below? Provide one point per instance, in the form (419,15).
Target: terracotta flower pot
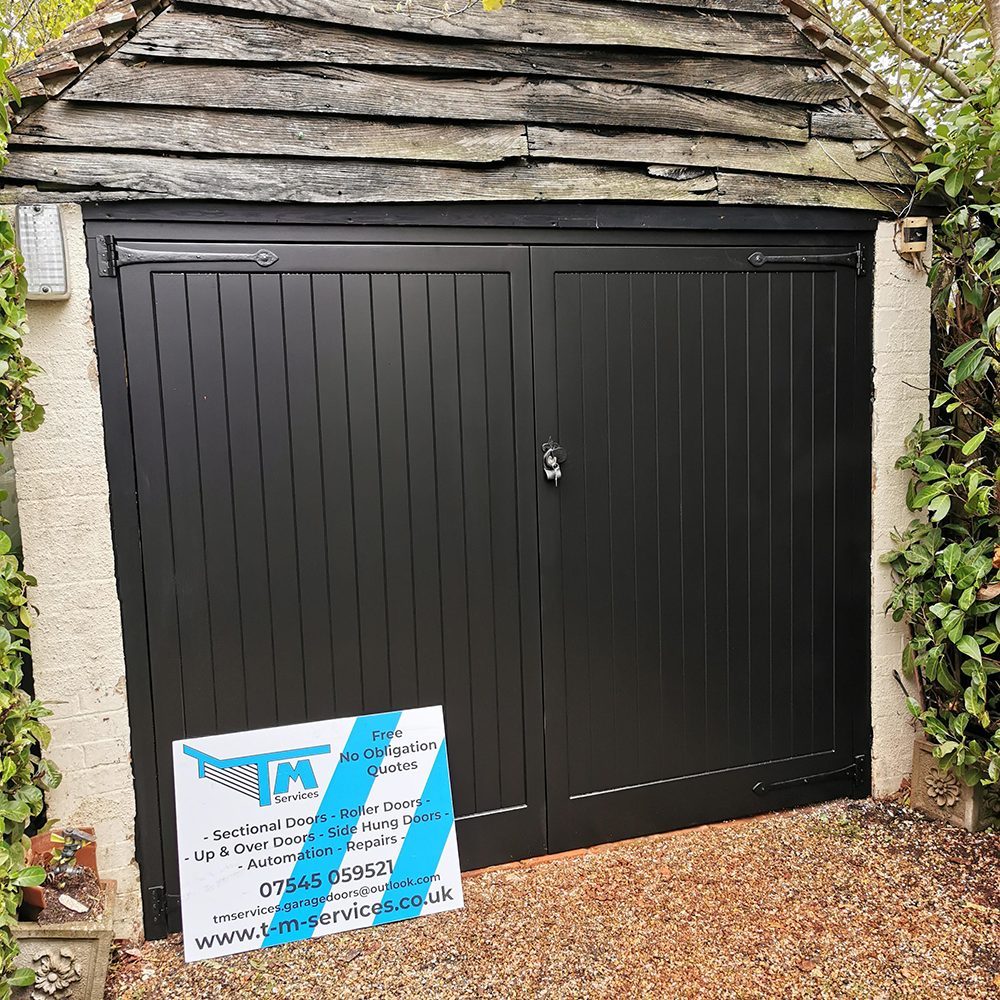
(944,795)
(32,902)
(33,898)
(86,857)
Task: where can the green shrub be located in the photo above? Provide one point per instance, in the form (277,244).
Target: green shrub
(947,564)
(24,773)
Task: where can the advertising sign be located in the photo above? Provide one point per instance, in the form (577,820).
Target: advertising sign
(301,831)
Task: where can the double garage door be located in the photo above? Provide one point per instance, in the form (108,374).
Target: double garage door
(330,498)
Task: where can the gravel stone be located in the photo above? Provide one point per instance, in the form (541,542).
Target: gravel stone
(844,900)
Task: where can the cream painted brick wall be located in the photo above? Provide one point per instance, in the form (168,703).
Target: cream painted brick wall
(902,331)
(63,508)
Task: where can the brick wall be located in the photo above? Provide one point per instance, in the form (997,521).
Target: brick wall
(902,363)
(63,509)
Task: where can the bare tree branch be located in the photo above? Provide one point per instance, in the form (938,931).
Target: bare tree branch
(918,55)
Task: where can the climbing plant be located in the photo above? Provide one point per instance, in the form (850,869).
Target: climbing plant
(947,562)
(24,773)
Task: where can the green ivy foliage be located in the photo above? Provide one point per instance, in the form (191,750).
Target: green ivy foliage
(24,773)
(947,563)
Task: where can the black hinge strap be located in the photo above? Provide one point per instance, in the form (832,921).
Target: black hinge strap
(853,772)
(853,258)
(158,903)
(112,255)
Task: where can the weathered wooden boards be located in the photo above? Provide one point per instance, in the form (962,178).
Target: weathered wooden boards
(124,175)
(559,22)
(844,124)
(755,189)
(359,101)
(817,158)
(193,34)
(62,124)
(774,7)
(346,90)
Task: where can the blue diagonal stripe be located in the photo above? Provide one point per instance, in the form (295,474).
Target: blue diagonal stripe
(423,845)
(351,784)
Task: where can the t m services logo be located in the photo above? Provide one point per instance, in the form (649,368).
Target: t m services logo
(266,777)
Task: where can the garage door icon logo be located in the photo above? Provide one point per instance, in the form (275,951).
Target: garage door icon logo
(254,775)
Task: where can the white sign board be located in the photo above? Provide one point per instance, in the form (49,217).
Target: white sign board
(297,832)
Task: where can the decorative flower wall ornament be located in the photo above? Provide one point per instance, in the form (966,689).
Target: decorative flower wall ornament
(55,975)
(943,789)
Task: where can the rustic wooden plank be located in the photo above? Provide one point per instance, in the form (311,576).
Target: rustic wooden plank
(349,91)
(837,124)
(197,130)
(118,176)
(757,189)
(837,160)
(773,7)
(559,22)
(184,34)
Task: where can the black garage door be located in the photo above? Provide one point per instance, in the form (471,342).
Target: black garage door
(329,499)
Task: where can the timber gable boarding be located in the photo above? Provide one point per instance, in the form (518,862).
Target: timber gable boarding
(735,102)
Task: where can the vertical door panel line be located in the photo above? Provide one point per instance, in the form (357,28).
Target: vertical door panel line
(635,512)
(166,467)
(465,532)
(836,466)
(201,498)
(409,487)
(354,503)
(291,471)
(381,483)
(232,490)
(585,465)
(437,483)
(489,518)
(322,490)
(260,468)
(812,516)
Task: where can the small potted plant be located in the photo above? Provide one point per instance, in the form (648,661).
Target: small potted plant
(66,929)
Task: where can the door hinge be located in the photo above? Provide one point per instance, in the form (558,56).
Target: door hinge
(111,255)
(854,258)
(107,260)
(854,773)
(157,904)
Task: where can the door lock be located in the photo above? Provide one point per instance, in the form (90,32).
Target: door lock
(553,456)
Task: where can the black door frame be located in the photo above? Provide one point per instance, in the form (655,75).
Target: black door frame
(525,225)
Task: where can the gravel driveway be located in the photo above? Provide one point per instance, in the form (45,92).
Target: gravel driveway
(844,900)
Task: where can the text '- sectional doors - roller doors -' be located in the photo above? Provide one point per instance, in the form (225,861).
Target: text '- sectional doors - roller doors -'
(704,550)
(333,472)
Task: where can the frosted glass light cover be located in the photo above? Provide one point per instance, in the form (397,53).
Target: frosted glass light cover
(40,239)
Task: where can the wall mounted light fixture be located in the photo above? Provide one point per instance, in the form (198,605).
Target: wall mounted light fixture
(43,246)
